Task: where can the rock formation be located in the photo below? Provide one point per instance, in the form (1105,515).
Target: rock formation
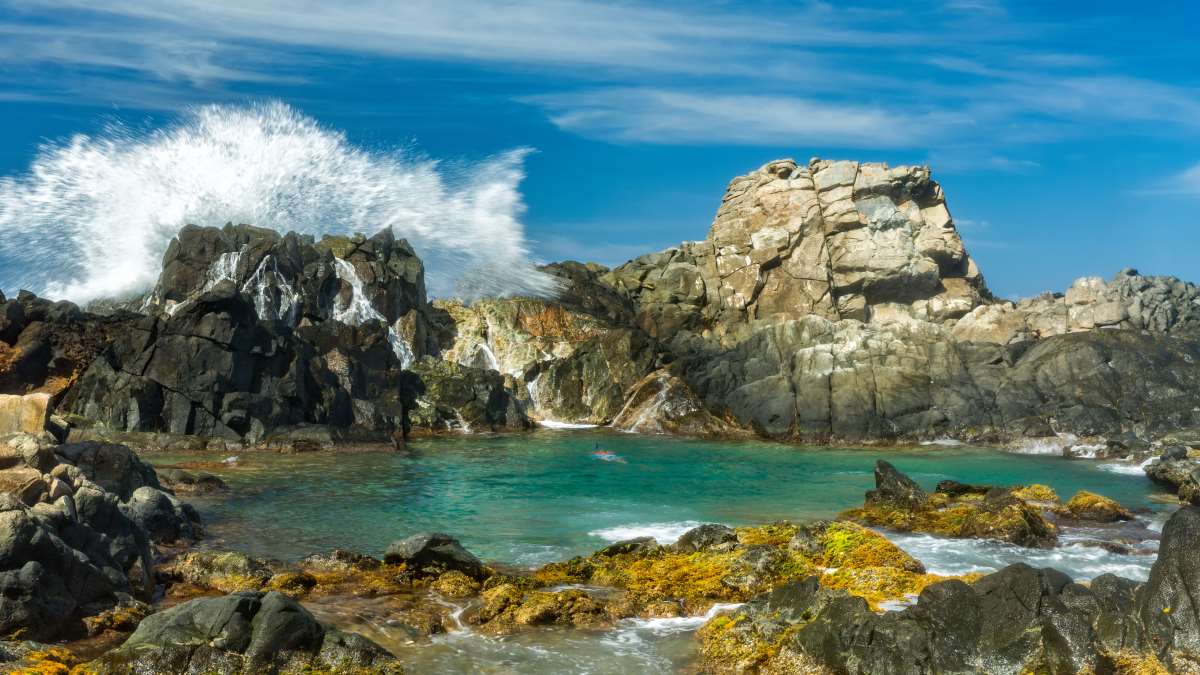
(249,632)
(76,535)
(837,301)
(829,302)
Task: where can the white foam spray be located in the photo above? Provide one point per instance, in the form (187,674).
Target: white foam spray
(94,214)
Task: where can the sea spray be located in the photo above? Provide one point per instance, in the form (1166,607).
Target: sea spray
(121,195)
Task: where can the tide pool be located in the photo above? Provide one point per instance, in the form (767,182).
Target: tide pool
(529,499)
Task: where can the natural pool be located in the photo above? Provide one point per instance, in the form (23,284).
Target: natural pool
(528,499)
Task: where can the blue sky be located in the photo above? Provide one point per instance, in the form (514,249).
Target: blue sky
(1066,135)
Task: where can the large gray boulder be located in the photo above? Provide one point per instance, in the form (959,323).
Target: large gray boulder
(242,633)
(433,553)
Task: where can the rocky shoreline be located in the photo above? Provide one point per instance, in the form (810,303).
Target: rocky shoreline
(137,593)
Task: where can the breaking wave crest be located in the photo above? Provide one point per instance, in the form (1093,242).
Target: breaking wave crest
(94,214)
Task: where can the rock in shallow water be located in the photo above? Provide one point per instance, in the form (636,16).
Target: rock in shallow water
(242,633)
(434,553)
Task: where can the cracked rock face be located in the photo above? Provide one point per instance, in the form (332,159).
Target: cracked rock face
(840,240)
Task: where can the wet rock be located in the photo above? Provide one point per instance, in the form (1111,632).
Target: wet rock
(662,403)
(226,571)
(709,536)
(1000,513)
(290,331)
(434,553)
(187,482)
(242,633)
(895,488)
(1091,506)
(1189,489)
(450,396)
(635,546)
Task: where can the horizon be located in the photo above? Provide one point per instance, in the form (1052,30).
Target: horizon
(1065,141)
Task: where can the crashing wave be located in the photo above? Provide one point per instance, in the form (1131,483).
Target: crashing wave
(123,194)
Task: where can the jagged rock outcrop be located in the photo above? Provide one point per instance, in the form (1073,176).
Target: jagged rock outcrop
(662,403)
(1129,301)
(450,396)
(251,333)
(833,301)
(839,240)
(45,346)
(836,301)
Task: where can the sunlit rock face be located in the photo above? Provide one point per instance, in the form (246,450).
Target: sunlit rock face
(837,300)
(840,240)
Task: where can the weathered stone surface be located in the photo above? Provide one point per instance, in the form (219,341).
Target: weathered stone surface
(23,414)
(967,511)
(1128,301)
(450,396)
(45,345)
(252,331)
(662,403)
(434,551)
(248,632)
(1168,603)
(77,539)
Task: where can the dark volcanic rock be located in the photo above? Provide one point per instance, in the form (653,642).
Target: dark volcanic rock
(958,510)
(242,633)
(453,396)
(252,331)
(46,345)
(1169,602)
(83,542)
(434,552)
(893,487)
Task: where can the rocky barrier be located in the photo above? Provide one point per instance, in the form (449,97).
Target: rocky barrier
(830,302)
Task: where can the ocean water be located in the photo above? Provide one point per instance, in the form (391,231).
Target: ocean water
(524,500)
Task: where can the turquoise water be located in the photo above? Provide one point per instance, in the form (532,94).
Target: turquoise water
(529,499)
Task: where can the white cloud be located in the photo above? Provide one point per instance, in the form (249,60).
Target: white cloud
(667,116)
(631,71)
(1186,182)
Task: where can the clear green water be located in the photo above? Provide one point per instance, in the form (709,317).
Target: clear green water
(528,499)
(533,498)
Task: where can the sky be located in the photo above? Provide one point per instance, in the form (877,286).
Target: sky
(1066,135)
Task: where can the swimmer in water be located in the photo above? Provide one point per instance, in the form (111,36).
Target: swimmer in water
(606,455)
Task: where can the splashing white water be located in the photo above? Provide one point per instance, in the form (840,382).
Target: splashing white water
(663,533)
(122,195)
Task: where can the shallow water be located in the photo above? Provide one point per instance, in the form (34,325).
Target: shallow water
(528,499)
